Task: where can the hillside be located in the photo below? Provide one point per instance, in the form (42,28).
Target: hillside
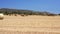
(8,11)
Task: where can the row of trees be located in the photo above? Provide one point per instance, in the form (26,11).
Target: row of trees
(7,11)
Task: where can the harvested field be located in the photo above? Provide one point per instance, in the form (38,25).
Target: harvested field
(30,25)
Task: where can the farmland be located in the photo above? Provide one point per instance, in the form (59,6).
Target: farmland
(30,24)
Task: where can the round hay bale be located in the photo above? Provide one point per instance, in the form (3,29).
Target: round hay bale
(22,15)
(1,16)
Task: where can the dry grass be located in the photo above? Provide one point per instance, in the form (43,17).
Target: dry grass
(30,25)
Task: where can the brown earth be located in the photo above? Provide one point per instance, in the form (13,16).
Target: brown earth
(30,25)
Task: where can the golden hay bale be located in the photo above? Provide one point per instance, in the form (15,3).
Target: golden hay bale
(1,16)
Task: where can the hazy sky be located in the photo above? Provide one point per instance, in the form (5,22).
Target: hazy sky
(39,5)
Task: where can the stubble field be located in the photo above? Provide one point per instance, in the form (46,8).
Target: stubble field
(30,25)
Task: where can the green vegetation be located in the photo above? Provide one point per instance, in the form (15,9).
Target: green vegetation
(8,11)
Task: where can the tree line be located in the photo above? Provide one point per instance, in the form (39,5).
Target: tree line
(7,11)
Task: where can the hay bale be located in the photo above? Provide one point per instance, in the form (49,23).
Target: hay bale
(1,16)
(22,15)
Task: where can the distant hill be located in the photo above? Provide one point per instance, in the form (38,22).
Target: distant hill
(8,11)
